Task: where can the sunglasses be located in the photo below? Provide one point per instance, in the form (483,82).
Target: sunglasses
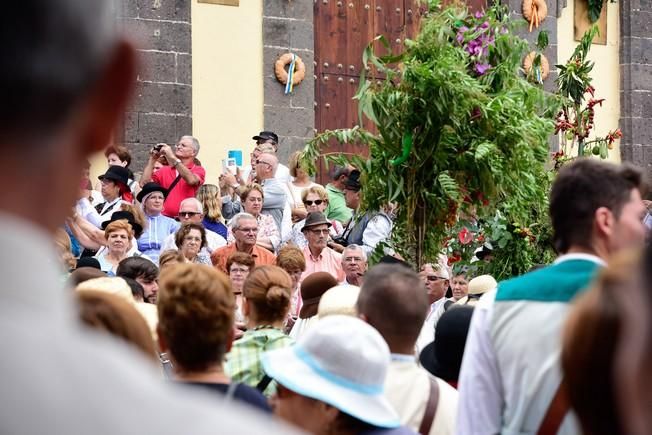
(434,278)
(317,202)
(260,162)
(188,214)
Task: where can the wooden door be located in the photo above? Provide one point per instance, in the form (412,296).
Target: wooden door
(343,29)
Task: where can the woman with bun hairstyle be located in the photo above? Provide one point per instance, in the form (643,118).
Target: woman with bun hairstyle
(267,293)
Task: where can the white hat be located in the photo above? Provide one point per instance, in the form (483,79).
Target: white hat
(341,361)
(341,299)
(482,284)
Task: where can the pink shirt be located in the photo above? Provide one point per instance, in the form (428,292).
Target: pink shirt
(165,176)
(328,261)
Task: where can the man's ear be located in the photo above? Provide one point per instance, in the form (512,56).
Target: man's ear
(108,99)
(604,221)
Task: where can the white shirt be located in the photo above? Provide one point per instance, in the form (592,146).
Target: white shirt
(213,241)
(378,229)
(88,212)
(407,387)
(427,334)
(59,378)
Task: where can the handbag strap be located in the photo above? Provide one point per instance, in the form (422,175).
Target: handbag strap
(556,412)
(431,407)
(174,183)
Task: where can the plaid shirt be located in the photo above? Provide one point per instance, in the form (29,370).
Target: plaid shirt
(243,362)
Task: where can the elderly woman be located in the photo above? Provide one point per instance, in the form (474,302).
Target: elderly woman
(252,201)
(300,183)
(195,309)
(211,201)
(118,236)
(314,199)
(239,265)
(291,260)
(151,198)
(267,301)
(190,239)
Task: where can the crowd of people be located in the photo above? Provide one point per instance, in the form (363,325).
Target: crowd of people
(159,303)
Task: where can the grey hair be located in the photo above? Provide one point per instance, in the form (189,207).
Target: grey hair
(195,142)
(53,53)
(194,201)
(354,247)
(234,223)
(338,171)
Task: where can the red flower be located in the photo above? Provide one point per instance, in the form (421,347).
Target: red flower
(465,236)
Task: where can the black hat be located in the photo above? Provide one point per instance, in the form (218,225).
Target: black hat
(353,181)
(88,262)
(129,217)
(266,135)
(315,218)
(116,173)
(151,187)
(443,357)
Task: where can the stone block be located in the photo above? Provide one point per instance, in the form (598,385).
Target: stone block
(625,152)
(625,125)
(641,23)
(156,128)
(139,155)
(184,69)
(645,5)
(276,32)
(173,10)
(159,35)
(641,77)
(127,9)
(130,127)
(646,161)
(638,103)
(270,55)
(297,9)
(642,131)
(183,126)
(289,122)
(157,66)
(274,93)
(302,35)
(164,98)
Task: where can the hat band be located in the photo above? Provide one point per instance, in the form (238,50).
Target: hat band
(304,356)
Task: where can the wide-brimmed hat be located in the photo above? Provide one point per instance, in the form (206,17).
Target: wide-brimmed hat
(339,300)
(315,218)
(443,357)
(126,215)
(353,181)
(312,289)
(116,173)
(266,135)
(341,361)
(151,187)
(477,287)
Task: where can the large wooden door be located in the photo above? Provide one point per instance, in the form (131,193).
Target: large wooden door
(343,29)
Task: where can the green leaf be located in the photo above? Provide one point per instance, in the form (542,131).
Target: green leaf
(448,185)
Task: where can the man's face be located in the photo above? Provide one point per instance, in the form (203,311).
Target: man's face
(460,287)
(150,288)
(352,198)
(184,149)
(629,230)
(353,263)
(189,213)
(246,232)
(435,282)
(317,236)
(264,166)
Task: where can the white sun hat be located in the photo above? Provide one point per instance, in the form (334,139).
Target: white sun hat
(341,361)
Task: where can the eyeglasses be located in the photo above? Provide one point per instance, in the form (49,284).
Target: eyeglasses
(351,259)
(433,278)
(262,162)
(248,230)
(317,202)
(317,232)
(188,214)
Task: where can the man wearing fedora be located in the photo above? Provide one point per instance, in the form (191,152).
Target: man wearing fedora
(181,178)
(112,182)
(319,257)
(393,300)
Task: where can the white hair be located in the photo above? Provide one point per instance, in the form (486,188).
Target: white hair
(354,247)
(195,142)
(194,201)
(234,223)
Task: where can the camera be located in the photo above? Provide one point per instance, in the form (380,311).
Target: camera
(158,147)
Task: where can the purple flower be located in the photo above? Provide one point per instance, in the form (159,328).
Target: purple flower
(479,14)
(481,68)
(484,25)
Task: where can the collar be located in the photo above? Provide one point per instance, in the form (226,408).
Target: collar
(332,188)
(580,256)
(312,257)
(401,357)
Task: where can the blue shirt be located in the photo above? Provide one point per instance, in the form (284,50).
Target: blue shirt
(158,228)
(216,227)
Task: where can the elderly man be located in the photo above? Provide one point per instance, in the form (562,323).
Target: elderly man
(245,229)
(337,208)
(511,380)
(191,210)
(393,300)
(65,95)
(266,141)
(354,264)
(319,257)
(275,194)
(181,178)
(436,279)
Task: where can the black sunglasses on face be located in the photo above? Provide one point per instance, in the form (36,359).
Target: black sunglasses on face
(317,202)
(187,214)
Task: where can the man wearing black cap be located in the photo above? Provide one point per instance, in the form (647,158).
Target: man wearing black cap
(365,229)
(114,182)
(266,141)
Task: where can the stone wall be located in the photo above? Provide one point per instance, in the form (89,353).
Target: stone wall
(636,82)
(161,110)
(288,28)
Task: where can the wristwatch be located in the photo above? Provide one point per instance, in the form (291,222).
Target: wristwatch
(176,162)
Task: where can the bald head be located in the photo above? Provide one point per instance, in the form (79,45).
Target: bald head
(393,300)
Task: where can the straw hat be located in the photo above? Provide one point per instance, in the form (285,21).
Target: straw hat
(341,299)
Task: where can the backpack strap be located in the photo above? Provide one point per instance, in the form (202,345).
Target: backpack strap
(264,382)
(431,407)
(556,412)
